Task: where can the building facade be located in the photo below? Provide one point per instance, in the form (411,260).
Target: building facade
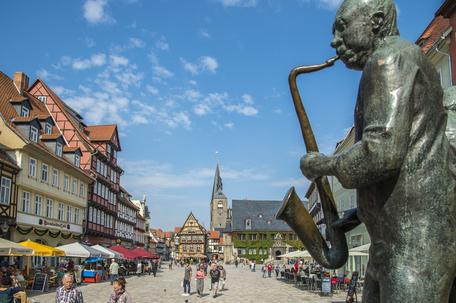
(192,240)
(143,224)
(255,230)
(125,227)
(99,146)
(51,185)
(8,193)
(214,249)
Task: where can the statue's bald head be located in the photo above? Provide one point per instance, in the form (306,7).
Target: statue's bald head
(386,9)
(360,26)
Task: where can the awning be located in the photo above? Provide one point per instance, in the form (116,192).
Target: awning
(81,251)
(43,250)
(112,253)
(297,254)
(143,253)
(363,248)
(127,254)
(93,260)
(8,248)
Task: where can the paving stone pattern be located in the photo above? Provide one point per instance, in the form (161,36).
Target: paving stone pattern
(241,286)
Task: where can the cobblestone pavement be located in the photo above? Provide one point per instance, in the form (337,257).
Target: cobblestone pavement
(241,286)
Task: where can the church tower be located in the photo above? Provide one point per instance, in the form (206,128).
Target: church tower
(219,203)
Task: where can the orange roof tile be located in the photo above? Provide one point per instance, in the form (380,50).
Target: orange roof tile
(221,241)
(53,136)
(70,149)
(213,234)
(177,229)
(101,132)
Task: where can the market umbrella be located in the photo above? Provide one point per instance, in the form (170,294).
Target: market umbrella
(9,248)
(81,251)
(42,250)
(143,253)
(112,253)
(127,254)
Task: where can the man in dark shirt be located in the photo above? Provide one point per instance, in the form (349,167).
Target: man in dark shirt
(187,277)
(7,290)
(215,278)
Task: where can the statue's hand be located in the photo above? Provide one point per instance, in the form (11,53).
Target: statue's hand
(313,165)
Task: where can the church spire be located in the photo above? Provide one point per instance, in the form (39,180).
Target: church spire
(217,189)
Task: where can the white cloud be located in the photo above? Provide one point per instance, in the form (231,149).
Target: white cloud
(46,75)
(152,89)
(94,60)
(205,63)
(245,110)
(62,91)
(209,63)
(118,60)
(229,125)
(94,12)
(201,109)
(162,72)
(192,94)
(239,3)
(90,42)
(204,33)
(162,44)
(326,4)
(247,99)
(136,43)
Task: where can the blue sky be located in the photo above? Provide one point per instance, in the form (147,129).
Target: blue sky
(187,79)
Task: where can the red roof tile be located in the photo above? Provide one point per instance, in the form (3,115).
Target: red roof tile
(101,132)
(70,149)
(213,234)
(53,136)
(432,33)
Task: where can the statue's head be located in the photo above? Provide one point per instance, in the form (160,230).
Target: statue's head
(360,25)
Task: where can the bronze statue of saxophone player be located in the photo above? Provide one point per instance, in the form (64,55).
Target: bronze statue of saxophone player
(400,165)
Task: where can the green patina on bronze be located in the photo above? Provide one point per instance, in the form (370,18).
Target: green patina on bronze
(401,164)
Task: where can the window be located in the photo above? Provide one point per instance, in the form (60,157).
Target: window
(44,172)
(113,176)
(25,202)
(74,188)
(76,216)
(38,205)
(82,192)
(90,215)
(32,167)
(69,214)
(49,208)
(5,191)
(55,177)
(253,237)
(444,68)
(248,224)
(61,212)
(42,98)
(48,128)
(25,111)
(66,183)
(58,149)
(33,134)
(77,160)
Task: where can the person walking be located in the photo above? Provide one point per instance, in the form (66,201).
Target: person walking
(200,280)
(139,268)
(68,293)
(222,277)
(215,278)
(277,270)
(263,270)
(155,267)
(187,277)
(113,271)
(120,294)
(269,268)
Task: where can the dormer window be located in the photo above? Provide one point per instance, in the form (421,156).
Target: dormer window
(33,134)
(77,160)
(25,111)
(58,149)
(248,224)
(48,128)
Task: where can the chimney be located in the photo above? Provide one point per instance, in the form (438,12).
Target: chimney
(21,80)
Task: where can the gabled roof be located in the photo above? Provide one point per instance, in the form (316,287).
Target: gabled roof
(261,214)
(192,216)
(447,8)
(101,132)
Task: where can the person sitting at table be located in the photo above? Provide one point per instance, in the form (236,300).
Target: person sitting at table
(7,291)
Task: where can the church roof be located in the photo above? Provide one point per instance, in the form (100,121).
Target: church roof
(217,189)
(261,214)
